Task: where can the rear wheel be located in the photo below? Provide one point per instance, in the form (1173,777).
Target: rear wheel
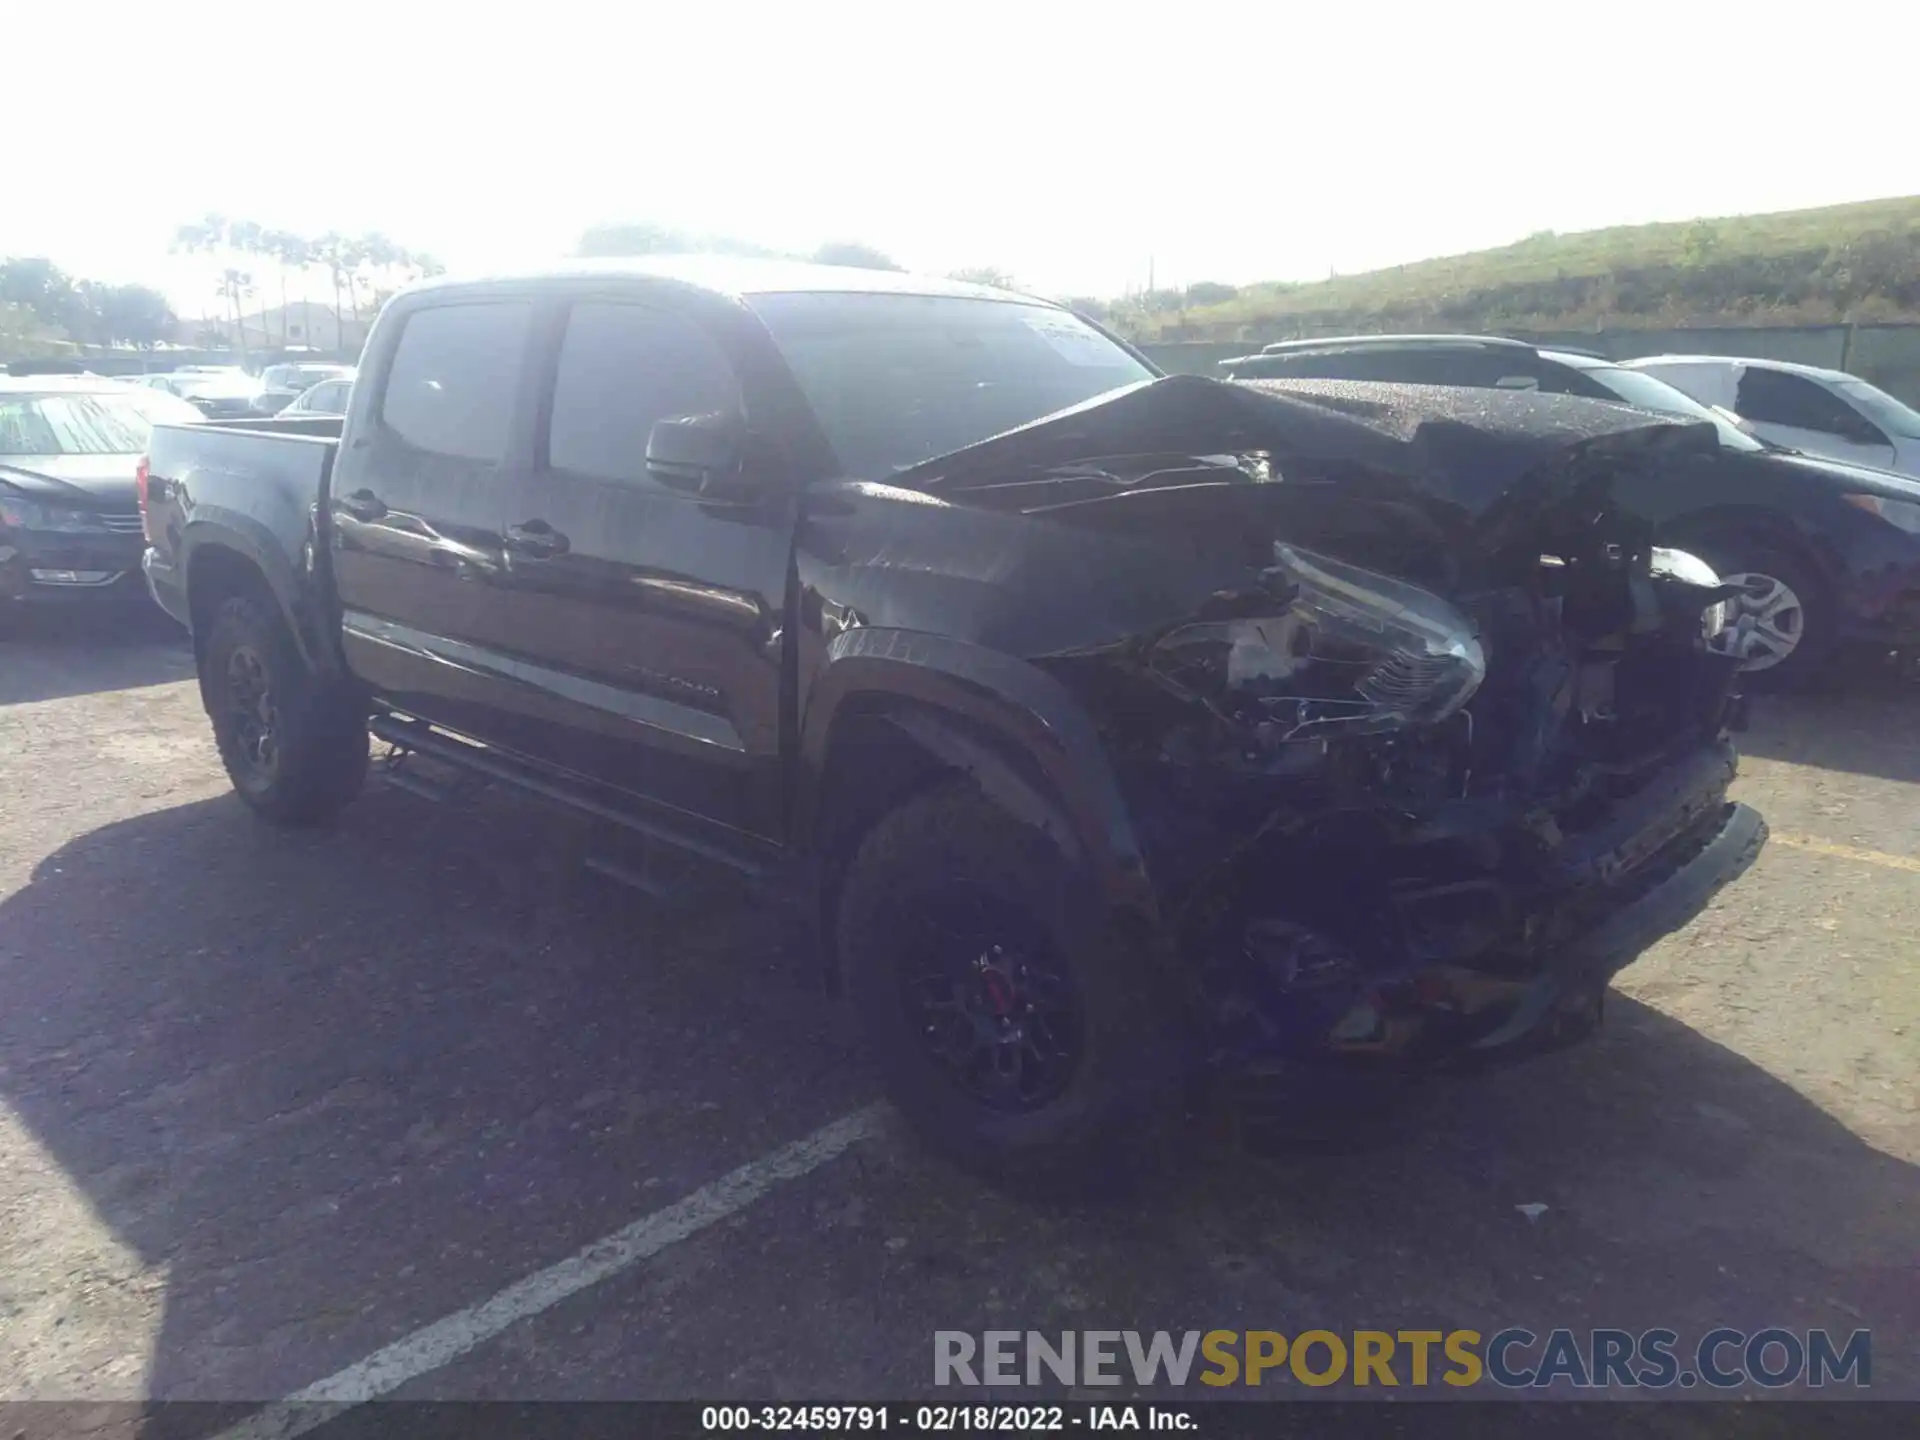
(294,746)
(1781,624)
(1018,1033)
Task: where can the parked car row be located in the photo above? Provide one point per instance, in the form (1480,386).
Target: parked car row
(1825,549)
(230,393)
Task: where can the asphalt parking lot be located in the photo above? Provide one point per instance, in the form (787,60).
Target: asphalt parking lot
(273,1104)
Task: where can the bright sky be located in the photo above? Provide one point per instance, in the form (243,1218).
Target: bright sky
(1066,143)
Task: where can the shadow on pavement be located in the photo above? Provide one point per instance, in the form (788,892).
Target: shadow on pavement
(1866,729)
(51,655)
(1682,1186)
(343,1084)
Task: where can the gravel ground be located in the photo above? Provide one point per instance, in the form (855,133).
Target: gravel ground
(269,1103)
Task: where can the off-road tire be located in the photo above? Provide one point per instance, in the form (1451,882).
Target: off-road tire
(319,759)
(1741,554)
(1117,1121)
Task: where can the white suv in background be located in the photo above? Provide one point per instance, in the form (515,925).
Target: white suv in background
(1822,412)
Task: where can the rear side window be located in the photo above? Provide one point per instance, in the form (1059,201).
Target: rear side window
(454,379)
(623,367)
(1777,398)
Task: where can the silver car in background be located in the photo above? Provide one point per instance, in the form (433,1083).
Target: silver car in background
(281,385)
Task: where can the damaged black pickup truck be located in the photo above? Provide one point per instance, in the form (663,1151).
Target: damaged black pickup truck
(1113,729)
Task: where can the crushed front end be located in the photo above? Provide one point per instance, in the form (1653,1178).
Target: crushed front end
(1419,815)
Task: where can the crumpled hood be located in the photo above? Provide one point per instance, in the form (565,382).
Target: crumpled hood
(90,482)
(1056,537)
(1466,448)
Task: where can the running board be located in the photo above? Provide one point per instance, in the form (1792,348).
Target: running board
(423,739)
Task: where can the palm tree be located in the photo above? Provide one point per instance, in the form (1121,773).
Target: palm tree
(251,239)
(235,286)
(331,251)
(287,251)
(353,255)
(208,234)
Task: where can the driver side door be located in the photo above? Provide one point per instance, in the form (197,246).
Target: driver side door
(645,623)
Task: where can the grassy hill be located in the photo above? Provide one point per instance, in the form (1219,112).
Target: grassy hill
(1840,262)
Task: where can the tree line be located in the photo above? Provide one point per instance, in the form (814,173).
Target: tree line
(365,269)
(41,306)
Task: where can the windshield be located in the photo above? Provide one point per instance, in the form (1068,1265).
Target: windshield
(1636,387)
(898,379)
(1881,408)
(85,423)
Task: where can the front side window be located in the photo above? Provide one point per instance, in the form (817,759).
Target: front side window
(455,377)
(1773,397)
(1881,408)
(895,380)
(622,368)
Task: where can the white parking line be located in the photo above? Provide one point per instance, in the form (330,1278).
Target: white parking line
(432,1346)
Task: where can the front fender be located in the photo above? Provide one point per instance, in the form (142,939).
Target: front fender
(981,711)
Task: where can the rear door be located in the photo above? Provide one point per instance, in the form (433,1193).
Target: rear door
(439,429)
(1803,414)
(649,618)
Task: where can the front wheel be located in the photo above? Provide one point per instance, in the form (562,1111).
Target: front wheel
(294,747)
(1781,624)
(1018,1033)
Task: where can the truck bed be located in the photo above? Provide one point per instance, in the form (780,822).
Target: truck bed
(260,483)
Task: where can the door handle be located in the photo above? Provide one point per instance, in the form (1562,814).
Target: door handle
(364,505)
(536,538)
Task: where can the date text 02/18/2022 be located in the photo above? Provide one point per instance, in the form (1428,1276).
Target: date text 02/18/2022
(941,1419)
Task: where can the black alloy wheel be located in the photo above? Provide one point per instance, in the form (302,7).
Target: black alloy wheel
(251,713)
(994,1008)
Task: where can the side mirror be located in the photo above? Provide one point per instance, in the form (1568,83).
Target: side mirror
(701,454)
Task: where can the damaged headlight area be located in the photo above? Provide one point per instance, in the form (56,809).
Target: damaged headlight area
(1353,653)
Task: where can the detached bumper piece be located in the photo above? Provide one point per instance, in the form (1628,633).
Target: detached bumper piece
(1456,1017)
(1563,1002)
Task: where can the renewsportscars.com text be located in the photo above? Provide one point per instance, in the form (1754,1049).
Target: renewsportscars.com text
(1514,1358)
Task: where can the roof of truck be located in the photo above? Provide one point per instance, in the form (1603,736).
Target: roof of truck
(740,277)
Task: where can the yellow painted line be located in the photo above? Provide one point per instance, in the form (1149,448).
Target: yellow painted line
(1848,852)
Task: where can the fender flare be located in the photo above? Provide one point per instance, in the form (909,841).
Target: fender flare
(975,709)
(209,529)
